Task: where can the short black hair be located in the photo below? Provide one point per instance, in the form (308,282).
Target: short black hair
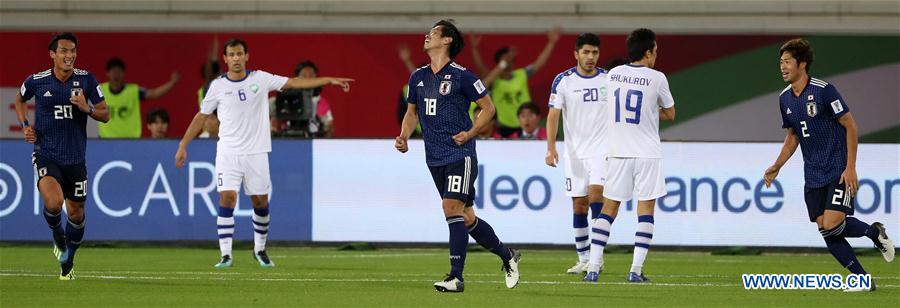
(232,43)
(500,53)
(800,50)
(114,63)
(529,106)
(305,64)
(448,29)
(587,39)
(54,43)
(157,113)
(639,42)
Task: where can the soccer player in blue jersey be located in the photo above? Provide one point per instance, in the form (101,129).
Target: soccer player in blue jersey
(818,120)
(439,98)
(61,96)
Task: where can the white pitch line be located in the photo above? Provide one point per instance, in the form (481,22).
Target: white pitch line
(365,280)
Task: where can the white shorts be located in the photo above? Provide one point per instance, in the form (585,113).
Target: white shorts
(252,170)
(580,173)
(640,177)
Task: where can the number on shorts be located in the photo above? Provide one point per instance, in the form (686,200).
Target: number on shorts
(220,179)
(80,189)
(838,197)
(454,183)
(568,184)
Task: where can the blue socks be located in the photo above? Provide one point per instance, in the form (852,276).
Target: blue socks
(841,249)
(596,207)
(54,221)
(484,235)
(74,234)
(459,240)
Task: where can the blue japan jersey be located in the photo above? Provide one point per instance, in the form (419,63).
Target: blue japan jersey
(442,103)
(59,124)
(823,140)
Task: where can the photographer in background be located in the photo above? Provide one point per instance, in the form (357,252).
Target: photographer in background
(302,112)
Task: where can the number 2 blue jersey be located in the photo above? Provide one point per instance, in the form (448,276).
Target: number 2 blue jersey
(442,102)
(823,140)
(60,125)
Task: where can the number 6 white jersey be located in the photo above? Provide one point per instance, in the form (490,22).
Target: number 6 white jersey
(635,93)
(243,111)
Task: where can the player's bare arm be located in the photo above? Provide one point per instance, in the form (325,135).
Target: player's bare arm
(309,83)
(97,111)
(552,127)
(481,120)
(22,115)
(192,131)
(667,114)
(410,120)
(848,177)
(787,150)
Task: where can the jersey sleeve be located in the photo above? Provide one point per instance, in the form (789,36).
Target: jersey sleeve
(273,82)
(142,93)
(94,94)
(472,88)
(210,101)
(27,89)
(557,99)
(836,105)
(665,95)
(411,93)
(784,120)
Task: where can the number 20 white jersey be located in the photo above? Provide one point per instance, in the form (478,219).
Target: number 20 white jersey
(243,111)
(635,94)
(583,103)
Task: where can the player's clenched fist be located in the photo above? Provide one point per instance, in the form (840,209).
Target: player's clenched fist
(401,145)
(30,135)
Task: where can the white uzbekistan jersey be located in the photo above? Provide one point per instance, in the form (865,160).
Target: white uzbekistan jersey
(583,102)
(635,93)
(243,111)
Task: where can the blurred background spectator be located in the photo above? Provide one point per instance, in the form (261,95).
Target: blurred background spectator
(124,101)
(530,123)
(158,123)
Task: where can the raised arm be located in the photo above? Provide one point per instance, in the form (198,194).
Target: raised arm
(163,89)
(552,38)
(406,57)
(475,40)
(310,83)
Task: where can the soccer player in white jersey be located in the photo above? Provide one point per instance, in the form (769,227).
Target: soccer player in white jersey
(639,98)
(242,153)
(579,93)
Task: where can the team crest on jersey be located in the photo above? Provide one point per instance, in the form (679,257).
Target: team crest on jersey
(445,87)
(447,76)
(76,84)
(254,88)
(811,109)
(810,97)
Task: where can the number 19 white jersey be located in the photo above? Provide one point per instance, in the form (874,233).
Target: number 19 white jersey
(583,103)
(243,111)
(635,94)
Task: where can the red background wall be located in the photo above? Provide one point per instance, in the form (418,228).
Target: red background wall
(369,110)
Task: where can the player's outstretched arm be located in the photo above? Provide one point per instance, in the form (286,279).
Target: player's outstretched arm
(552,127)
(667,114)
(848,177)
(787,150)
(309,83)
(192,131)
(165,88)
(22,116)
(482,119)
(410,120)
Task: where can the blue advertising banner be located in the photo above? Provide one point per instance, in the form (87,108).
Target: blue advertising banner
(136,193)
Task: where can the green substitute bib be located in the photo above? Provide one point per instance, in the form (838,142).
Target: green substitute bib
(124,112)
(508,95)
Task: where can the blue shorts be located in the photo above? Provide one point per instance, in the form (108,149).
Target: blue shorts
(457,180)
(831,197)
(72,179)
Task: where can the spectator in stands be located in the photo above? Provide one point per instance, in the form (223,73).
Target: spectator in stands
(209,71)
(489,131)
(530,121)
(508,83)
(158,123)
(289,116)
(124,101)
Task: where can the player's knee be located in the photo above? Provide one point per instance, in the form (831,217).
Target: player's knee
(580,205)
(830,222)
(228,200)
(469,219)
(453,207)
(259,202)
(53,203)
(75,214)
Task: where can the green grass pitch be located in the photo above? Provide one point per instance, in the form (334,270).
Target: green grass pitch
(116,277)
